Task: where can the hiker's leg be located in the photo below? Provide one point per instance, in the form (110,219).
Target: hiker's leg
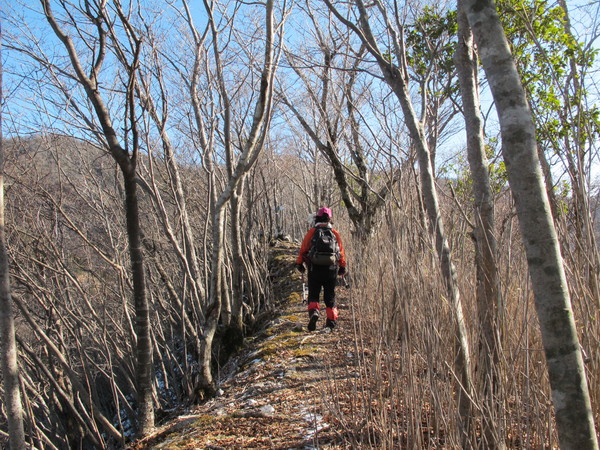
(329,298)
(314,291)
(329,282)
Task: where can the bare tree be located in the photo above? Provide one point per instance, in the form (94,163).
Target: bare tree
(396,76)
(332,113)
(566,371)
(68,279)
(127,161)
(237,168)
(10,368)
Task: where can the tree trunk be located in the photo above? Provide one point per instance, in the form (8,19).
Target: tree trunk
(10,369)
(238,264)
(206,385)
(485,238)
(143,373)
(575,423)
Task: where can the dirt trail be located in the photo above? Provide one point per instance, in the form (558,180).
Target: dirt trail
(283,390)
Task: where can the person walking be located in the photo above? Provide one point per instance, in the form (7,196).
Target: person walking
(323,254)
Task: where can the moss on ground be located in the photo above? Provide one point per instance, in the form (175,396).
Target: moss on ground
(281,342)
(292,318)
(305,352)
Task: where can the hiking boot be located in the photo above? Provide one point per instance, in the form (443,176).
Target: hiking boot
(330,324)
(312,322)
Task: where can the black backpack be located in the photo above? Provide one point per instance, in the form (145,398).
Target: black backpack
(324,249)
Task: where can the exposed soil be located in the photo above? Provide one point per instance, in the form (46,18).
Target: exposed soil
(283,390)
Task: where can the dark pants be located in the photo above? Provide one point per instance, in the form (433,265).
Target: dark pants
(322,277)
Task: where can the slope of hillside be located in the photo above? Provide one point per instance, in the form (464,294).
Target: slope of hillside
(283,390)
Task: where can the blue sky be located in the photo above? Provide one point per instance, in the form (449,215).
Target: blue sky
(584,16)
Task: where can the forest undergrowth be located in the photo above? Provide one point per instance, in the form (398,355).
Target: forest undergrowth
(382,379)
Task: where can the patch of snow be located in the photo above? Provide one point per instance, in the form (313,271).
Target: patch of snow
(315,422)
(267,410)
(220,412)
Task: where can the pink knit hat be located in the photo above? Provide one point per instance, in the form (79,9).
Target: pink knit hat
(324,211)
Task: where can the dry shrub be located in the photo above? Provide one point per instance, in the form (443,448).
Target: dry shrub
(405,337)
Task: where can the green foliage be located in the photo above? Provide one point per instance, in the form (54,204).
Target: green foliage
(563,192)
(463,183)
(389,56)
(551,63)
(429,42)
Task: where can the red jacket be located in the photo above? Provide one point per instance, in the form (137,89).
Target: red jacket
(306,243)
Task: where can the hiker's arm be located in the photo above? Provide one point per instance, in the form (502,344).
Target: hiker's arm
(342,261)
(305,247)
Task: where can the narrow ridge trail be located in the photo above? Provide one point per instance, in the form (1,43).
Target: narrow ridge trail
(285,389)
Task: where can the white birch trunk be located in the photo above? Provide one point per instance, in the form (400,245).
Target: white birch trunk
(575,423)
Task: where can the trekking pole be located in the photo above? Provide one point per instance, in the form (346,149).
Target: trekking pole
(304,291)
(344,281)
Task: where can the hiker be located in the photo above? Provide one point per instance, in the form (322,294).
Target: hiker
(323,254)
